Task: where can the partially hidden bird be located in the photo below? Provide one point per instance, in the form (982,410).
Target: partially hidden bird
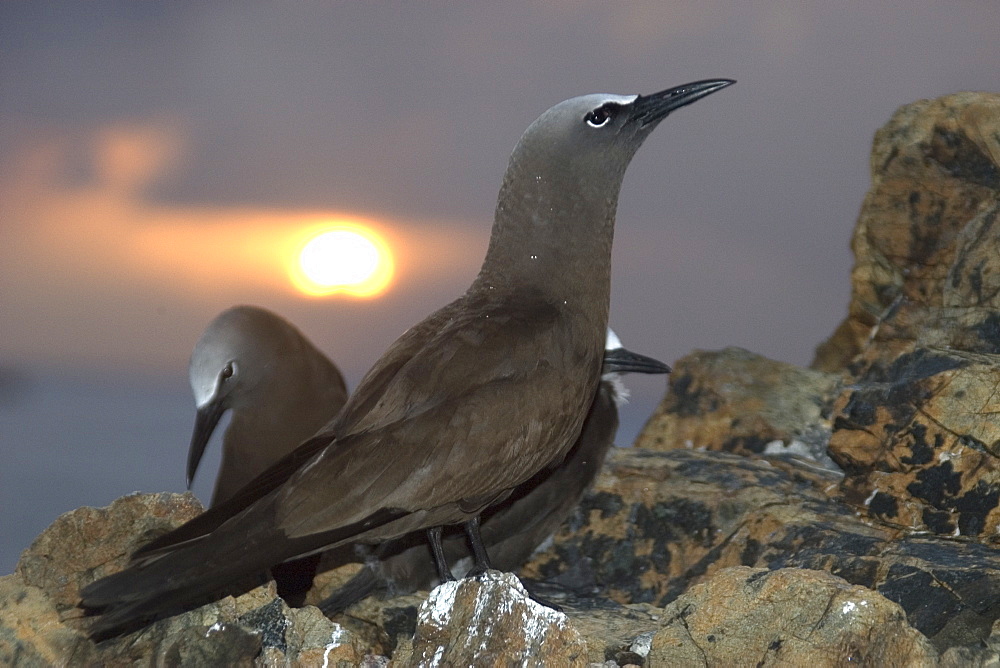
(467,404)
(278,387)
(513,529)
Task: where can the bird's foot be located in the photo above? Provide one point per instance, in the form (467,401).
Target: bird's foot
(544,601)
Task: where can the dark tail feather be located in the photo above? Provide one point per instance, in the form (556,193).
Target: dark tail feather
(173,583)
(163,584)
(361,586)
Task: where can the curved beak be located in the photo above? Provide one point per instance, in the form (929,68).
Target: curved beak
(621,360)
(651,109)
(205,421)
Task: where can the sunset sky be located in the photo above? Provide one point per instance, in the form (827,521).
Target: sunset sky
(161,162)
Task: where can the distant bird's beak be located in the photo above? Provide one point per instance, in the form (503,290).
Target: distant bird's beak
(205,421)
(621,360)
(651,109)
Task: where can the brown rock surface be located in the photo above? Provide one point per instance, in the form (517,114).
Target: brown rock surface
(733,400)
(31,633)
(88,543)
(40,625)
(788,617)
(927,266)
(491,621)
(914,428)
(657,523)
(920,443)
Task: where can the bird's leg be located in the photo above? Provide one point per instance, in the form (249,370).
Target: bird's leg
(481,559)
(444,572)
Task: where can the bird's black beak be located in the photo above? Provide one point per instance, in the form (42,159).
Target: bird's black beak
(205,421)
(651,109)
(621,360)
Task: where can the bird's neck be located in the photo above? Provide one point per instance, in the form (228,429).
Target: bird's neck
(552,235)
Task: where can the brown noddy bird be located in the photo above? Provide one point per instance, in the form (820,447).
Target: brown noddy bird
(279,388)
(465,405)
(513,529)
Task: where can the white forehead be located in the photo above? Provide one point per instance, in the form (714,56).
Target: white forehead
(203,374)
(214,349)
(612,342)
(578,106)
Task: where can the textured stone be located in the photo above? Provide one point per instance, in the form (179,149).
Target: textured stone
(88,543)
(733,400)
(491,621)
(40,625)
(927,243)
(920,443)
(609,629)
(985,654)
(788,617)
(31,633)
(658,522)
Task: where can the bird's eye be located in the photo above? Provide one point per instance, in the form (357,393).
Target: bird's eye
(599,117)
(227,372)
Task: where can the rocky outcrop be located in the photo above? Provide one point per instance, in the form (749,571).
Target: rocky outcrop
(40,624)
(769,515)
(736,401)
(914,427)
(491,620)
(657,523)
(926,244)
(785,617)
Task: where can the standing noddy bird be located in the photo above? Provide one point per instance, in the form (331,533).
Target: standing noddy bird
(279,387)
(465,405)
(513,529)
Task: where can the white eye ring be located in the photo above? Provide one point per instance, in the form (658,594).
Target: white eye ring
(598,118)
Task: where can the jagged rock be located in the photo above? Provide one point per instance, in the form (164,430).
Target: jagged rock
(88,543)
(31,633)
(490,620)
(920,443)
(609,629)
(391,622)
(914,428)
(986,654)
(40,625)
(736,401)
(927,266)
(793,617)
(658,522)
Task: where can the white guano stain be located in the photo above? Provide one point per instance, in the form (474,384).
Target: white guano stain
(336,636)
(506,598)
(437,608)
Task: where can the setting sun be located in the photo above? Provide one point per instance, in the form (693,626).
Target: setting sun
(343,258)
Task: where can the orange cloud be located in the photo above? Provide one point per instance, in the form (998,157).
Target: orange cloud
(106,231)
(79,250)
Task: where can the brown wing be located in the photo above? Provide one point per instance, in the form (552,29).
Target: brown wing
(490,396)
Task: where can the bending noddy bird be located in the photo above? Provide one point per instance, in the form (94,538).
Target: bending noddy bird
(533,512)
(280,388)
(465,405)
